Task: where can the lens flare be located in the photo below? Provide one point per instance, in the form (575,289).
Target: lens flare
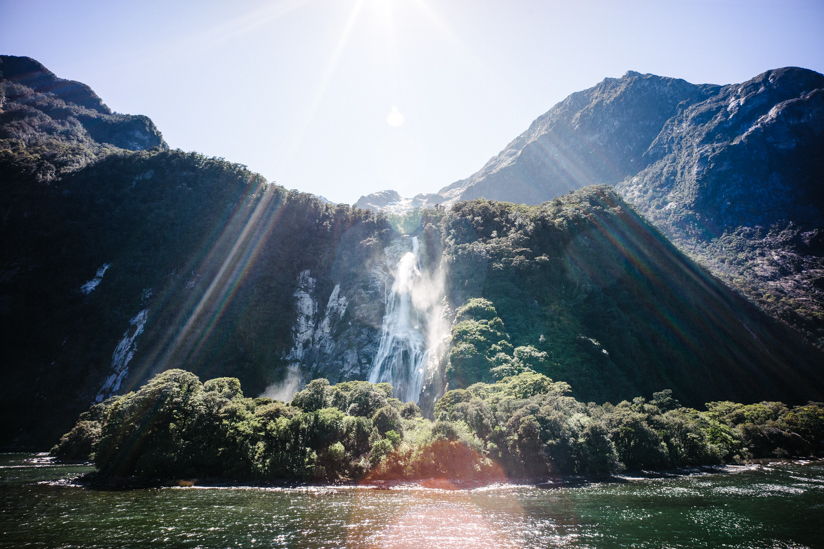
(394,118)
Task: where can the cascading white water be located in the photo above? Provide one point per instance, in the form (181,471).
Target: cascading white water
(408,338)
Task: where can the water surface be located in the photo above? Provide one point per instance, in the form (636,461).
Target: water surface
(776,505)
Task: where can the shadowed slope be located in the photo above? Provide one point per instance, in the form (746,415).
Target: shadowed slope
(617,308)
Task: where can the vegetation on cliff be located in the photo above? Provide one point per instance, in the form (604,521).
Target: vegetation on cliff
(583,290)
(50,127)
(732,174)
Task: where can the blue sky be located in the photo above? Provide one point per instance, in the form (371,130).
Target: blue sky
(346,97)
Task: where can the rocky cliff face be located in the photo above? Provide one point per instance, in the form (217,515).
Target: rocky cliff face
(326,343)
(749,155)
(736,181)
(597,136)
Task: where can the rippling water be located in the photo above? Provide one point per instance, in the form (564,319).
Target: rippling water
(776,505)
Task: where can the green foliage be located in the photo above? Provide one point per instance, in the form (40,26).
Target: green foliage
(223,387)
(605,303)
(477,309)
(664,401)
(387,419)
(529,384)
(522,426)
(808,422)
(410,410)
(315,396)
(147,432)
(380,449)
(597,453)
(448,401)
(478,338)
(638,446)
(78,444)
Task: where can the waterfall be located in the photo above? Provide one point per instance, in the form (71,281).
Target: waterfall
(408,336)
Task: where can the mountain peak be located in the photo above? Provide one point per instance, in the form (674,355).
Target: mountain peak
(32,74)
(379,200)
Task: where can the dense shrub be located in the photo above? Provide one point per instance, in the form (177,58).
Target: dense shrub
(521,426)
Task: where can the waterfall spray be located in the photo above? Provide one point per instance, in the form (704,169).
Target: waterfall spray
(411,329)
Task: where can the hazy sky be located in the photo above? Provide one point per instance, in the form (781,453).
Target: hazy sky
(346,97)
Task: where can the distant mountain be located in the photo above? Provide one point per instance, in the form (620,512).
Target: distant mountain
(597,136)
(121,258)
(379,201)
(731,173)
(392,202)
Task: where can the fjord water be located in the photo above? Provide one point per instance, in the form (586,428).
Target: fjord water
(771,505)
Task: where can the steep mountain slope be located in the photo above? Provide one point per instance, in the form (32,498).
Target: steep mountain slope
(597,136)
(50,127)
(737,181)
(613,304)
(145,261)
(731,173)
(119,262)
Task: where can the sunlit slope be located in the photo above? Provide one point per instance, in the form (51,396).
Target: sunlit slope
(595,136)
(731,173)
(616,307)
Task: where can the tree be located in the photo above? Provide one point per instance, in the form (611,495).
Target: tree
(314,397)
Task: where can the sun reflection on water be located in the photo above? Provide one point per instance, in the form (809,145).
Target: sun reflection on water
(433,513)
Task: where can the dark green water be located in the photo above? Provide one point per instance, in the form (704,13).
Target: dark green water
(776,505)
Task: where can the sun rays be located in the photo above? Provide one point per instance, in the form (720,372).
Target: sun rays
(317,97)
(228,252)
(225,258)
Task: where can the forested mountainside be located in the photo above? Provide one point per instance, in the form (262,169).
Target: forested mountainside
(118,263)
(522,426)
(148,259)
(50,127)
(612,303)
(732,174)
(121,260)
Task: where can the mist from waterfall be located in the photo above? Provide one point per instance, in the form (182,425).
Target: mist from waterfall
(412,330)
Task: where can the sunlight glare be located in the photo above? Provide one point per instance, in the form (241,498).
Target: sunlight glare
(394,118)
(286,158)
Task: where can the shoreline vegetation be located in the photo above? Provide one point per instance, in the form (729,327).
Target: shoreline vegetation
(95,481)
(520,427)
